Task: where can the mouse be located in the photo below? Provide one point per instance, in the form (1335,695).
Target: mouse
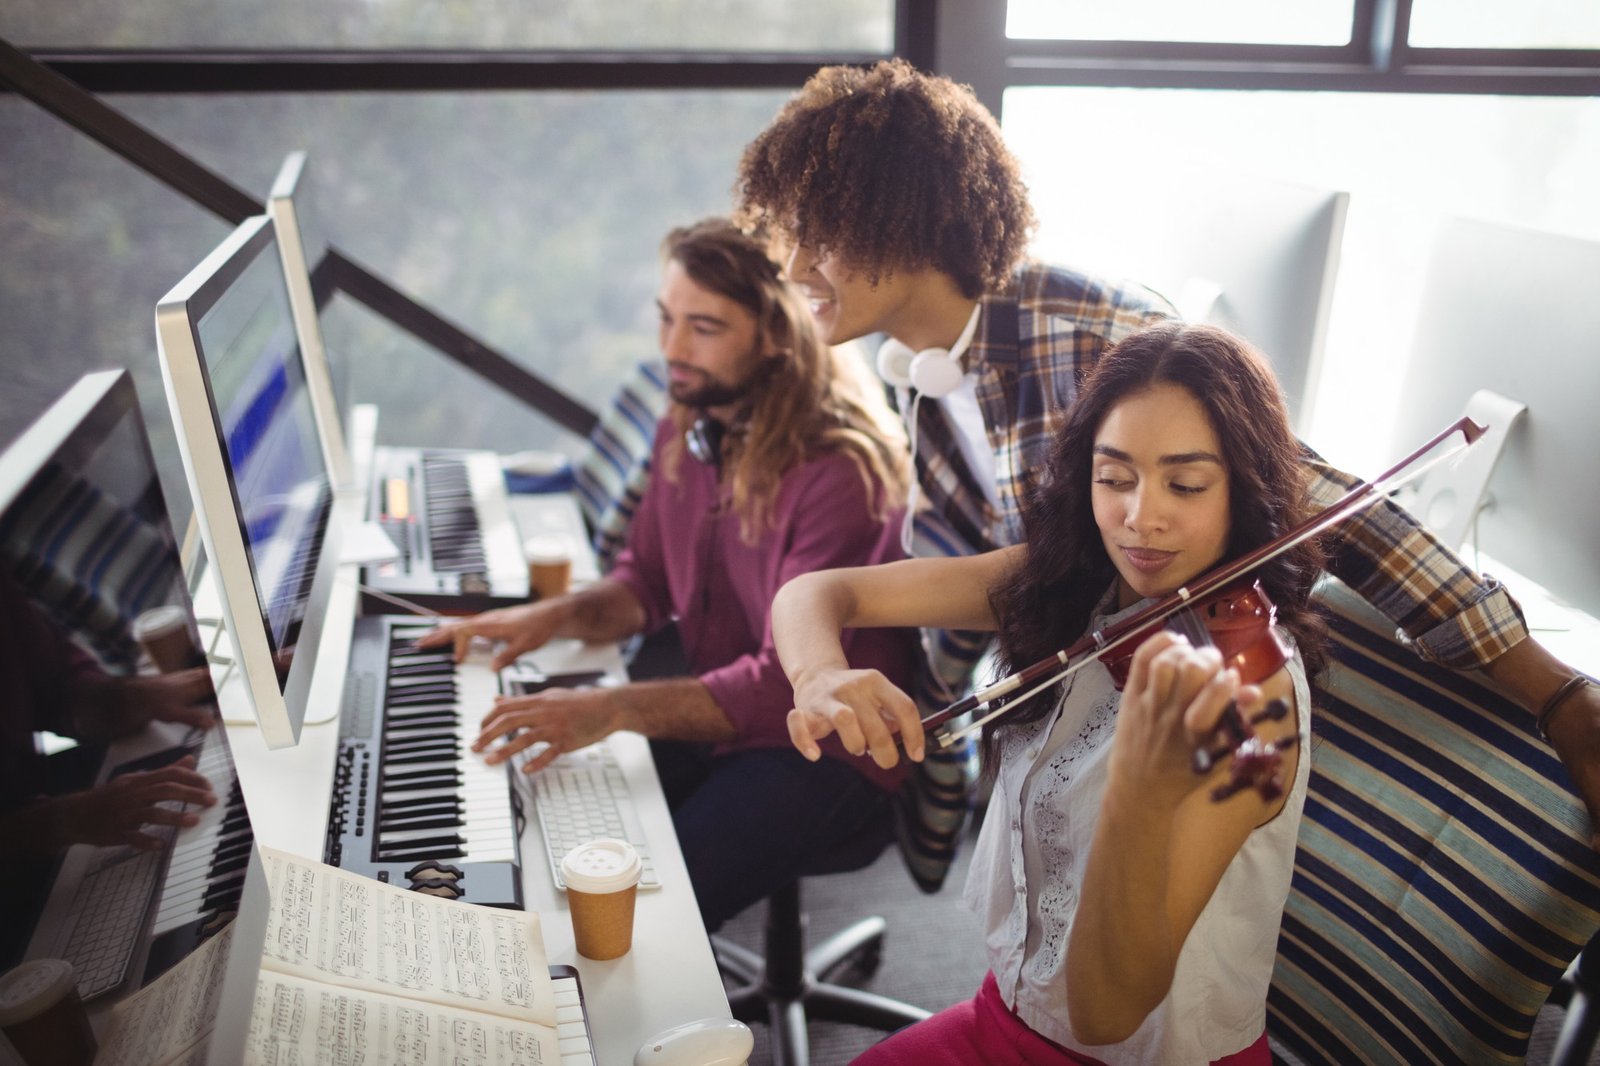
(704,1042)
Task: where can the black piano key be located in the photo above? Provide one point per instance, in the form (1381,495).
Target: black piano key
(452,815)
(442,840)
(421,779)
(419,803)
(419,757)
(410,824)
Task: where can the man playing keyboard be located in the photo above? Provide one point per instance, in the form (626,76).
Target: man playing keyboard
(776,456)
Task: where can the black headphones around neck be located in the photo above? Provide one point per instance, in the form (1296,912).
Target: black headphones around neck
(704,440)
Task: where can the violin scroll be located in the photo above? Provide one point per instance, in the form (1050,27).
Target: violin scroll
(1256,763)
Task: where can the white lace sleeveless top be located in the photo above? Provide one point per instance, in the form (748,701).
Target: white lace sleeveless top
(1031,855)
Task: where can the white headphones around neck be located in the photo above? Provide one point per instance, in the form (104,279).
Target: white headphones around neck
(933,372)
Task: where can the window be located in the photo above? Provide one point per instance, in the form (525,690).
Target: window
(1406,159)
(1492,24)
(510,25)
(1312,22)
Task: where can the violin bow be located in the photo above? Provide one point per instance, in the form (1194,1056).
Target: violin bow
(1069,660)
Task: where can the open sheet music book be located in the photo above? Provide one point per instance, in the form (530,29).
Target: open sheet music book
(355,970)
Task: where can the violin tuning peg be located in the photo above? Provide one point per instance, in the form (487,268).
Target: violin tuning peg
(1272,712)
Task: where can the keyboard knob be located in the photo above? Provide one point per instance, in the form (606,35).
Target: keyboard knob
(432,870)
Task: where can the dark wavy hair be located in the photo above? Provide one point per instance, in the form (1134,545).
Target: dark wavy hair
(892,169)
(1046,602)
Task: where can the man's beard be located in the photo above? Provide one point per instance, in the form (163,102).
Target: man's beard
(709,393)
(713,393)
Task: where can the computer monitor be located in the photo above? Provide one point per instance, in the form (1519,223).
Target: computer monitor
(297,242)
(1513,310)
(88,567)
(1255,255)
(237,389)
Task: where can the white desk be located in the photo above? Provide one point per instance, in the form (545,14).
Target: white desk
(668,978)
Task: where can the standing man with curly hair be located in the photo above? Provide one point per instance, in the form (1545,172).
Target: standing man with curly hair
(905,214)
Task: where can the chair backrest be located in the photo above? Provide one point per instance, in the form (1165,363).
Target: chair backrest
(1443,879)
(940,793)
(611,476)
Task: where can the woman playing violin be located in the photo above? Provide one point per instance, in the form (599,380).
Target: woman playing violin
(1128,917)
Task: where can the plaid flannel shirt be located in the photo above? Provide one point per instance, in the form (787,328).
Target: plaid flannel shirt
(1034,345)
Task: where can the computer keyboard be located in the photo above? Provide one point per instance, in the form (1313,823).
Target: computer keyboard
(111,906)
(582,796)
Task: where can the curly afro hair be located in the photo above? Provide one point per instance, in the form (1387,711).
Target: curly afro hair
(891,169)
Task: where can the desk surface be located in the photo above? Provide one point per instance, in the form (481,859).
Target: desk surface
(669,977)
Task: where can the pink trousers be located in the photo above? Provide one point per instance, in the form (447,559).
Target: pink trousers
(983,1030)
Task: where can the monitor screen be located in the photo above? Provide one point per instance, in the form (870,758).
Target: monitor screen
(237,389)
(299,244)
(108,695)
(1512,310)
(1248,253)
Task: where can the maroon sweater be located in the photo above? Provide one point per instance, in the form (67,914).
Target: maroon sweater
(685,560)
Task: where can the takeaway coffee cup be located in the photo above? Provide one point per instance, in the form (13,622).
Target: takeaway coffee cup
(43,1017)
(166,636)
(549,565)
(602,879)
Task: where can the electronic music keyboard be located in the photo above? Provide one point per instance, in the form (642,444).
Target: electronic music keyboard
(193,883)
(412,805)
(446,512)
(206,871)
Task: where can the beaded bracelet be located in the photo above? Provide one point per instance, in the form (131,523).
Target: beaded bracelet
(1553,704)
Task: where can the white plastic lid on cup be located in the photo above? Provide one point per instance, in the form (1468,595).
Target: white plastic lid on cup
(547,548)
(33,988)
(159,620)
(601,866)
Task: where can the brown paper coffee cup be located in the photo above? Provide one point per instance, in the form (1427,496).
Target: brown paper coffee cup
(43,1016)
(602,879)
(549,566)
(166,636)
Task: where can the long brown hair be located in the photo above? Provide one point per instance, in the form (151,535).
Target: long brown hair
(1046,602)
(812,401)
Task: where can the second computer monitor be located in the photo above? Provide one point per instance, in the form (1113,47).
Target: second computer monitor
(1513,310)
(247,433)
(1255,255)
(286,206)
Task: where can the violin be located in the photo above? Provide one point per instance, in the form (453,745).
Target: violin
(1238,620)
(1214,608)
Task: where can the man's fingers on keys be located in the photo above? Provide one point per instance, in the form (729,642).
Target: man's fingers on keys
(508,653)
(510,745)
(544,758)
(436,636)
(506,715)
(163,816)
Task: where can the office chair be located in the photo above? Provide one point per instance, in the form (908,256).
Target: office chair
(789,986)
(1443,879)
(611,475)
